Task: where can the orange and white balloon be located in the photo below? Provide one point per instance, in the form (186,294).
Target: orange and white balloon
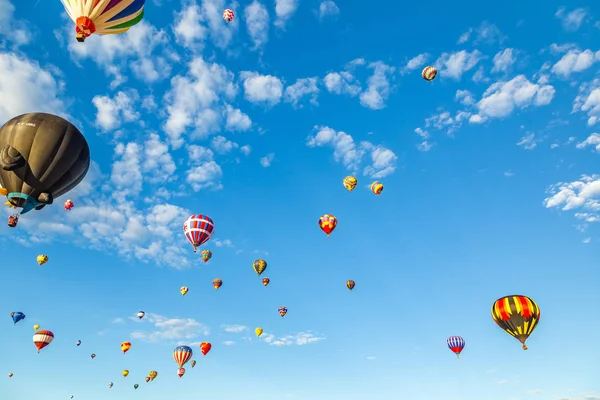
(228,15)
(429,73)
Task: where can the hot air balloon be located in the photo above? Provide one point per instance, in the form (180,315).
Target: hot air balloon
(36,327)
(517,315)
(10,375)
(152,375)
(198,229)
(217,283)
(125,373)
(93,356)
(182,355)
(228,15)
(147,379)
(206,255)
(183,290)
(17,316)
(350,284)
(282,311)
(136,386)
(193,363)
(259,266)
(350,182)
(429,73)
(125,346)
(266,281)
(258,331)
(69,204)
(110,384)
(78,343)
(141,314)
(42,156)
(181,372)
(327,223)
(205,348)
(42,259)
(42,339)
(103,17)
(376,188)
(456,344)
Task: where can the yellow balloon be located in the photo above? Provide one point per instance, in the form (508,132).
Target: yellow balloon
(258,331)
(42,259)
(125,373)
(183,290)
(36,327)
(350,182)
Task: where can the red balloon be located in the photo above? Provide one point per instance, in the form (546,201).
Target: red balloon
(205,348)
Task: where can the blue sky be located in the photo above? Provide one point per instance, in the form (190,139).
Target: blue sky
(492,188)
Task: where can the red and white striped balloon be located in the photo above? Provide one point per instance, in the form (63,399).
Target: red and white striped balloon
(429,73)
(228,15)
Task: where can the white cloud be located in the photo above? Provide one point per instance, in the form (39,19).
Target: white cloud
(574,61)
(170,329)
(378,89)
(504,60)
(234,328)
(582,195)
(445,121)
(328,8)
(195,100)
(588,100)
(158,163)
(27,87)
(265,89)
(118,321)
(501,98)
(342,83)
(371,358)
(112,112)
(236,120)
(267,160)
(347,152)
(587,240)
(221,145)
(189,30)
(223,243)
(246,150)
(485,33)
(454,65)
(204,173)
(284,9)
(228,343)
(415,62)
(528,142)
(425,145)
(465,97)
(299,339)
(572,20)
(591,141)
(303,87)
(16,31)
(257,23)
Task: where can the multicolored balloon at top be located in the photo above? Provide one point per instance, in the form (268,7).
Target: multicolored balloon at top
(377,188)
(327,223)
(228,15)
(182,355)
(42,338)
(198,229)
(206,255)
(517,315)
(104,17)
(350,182)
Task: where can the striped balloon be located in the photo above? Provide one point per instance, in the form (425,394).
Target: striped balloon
(429,73)
(42,339)
(456,344)
(198,229)
(228,15)
(182,355)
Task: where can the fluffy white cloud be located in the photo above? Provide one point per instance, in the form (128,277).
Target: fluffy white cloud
(223,243)
(16,31)
(299,339)
(25,86)
(588,100)
(582,196)
(196,100)
(415,62)
(265,89)
(346,151)
(302,88)
(257,23)
(528,142)
(342,83)
(189,30)
(378,89)
(112,112)
(485,33)
(328,8)
(169,329)
(504,60)
(572,20)
(575,61)
(284,9)
(465,97)
(236,120)
(501,98)
(221,145)
(454,65)
(267,160)
(591,141)
(234,328)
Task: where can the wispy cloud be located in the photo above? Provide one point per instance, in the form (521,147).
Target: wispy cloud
(234,328)
(164,328)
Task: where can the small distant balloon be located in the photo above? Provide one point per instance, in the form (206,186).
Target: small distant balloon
(17,316)
(183,290)
(206,255)
(327,223)
(228,15)
(266,281)
(68,205)
(217,283)
(125,373)
(125,346)
(181,372)
(350,284)
(36,327)
(377,188)
(259,266)
(136,386)
(429,73)
(193,363)
(258,331)
(42,338)
(78,343)
(93,356)
(141,314)
(42,259)
(350,182)
(282,311)
(205,348)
